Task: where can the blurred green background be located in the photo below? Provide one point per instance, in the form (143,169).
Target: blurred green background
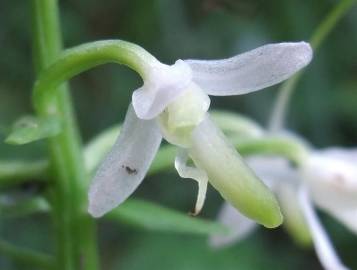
(323,109)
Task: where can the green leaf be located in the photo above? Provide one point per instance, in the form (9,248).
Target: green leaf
(12,207)
(29,129)
(28,256)
(150,216)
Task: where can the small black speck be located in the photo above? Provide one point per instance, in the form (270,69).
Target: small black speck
(130,170)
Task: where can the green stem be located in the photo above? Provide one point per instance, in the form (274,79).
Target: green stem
(318,37)
(74,229)
(76,241)
(83,57)
(236,124)
(279,146)
(26,256)
(325,27)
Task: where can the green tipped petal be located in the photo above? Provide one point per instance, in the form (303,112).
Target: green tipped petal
(228,173)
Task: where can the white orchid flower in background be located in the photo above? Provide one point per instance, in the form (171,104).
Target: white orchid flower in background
(173,103)
(328,178)
(331,177)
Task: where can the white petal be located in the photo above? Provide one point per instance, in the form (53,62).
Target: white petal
(251,71)
(272,170)
(98,148)
(331,176)
(348,155)
(126,164)
(194,173)
(238,225)
(332,182)
(163,85)
(228,174)
(323,246)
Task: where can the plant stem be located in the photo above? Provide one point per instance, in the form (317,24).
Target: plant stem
(75,231)
(327,25)
(84,57)
(318,37)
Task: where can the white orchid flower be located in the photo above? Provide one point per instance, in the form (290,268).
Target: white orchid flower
(331,177)
(328,179)
(173,103)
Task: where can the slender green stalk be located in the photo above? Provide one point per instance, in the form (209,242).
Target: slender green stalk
(74,229)
(236,124)
(318,37)
(75,240)
(83,57)
(331,20)
(279,146)
(26,256)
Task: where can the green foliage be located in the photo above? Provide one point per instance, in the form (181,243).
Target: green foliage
(153,251)
(30,128)
(141,214)
(324,110)
(154,217)
(11,208)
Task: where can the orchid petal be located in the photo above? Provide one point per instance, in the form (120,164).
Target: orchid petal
(272,170)
(251,71)
(239,227)
(228,173)
(163,85)
(348,155)
(194,173)
(323,246)
(125,166)
(332,182)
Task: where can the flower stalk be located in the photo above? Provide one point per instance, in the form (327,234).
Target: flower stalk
(75,231)
(318,37)
(84,57)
